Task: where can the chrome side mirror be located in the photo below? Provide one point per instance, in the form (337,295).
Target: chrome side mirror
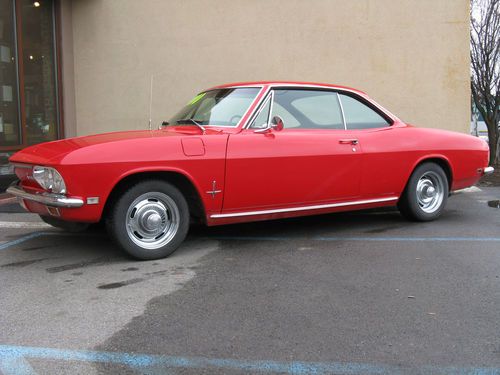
(277,123)
(163,123)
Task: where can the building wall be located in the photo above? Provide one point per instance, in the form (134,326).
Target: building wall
(412,56)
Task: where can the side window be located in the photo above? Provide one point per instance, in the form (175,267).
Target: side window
(263,116)
(308,109)
(321,108)
(360,116)
(287,117)
(261,120)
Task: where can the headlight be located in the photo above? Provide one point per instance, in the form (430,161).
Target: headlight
(49,179)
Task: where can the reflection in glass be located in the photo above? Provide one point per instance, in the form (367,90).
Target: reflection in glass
(9,110)
(39,71)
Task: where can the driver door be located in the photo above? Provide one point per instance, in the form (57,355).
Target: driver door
(313,160)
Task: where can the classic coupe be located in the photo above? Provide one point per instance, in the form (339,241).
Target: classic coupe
(246,152)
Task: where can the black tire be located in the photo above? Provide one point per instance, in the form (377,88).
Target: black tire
(149,220)
(69,226)
(426,193)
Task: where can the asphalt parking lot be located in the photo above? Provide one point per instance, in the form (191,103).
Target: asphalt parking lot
(352,293)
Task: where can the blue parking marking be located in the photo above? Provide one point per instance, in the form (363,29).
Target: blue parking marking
(22,239)
(15,365)
(31,236)
(411,239)
(10,358)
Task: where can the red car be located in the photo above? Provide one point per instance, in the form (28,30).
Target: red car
(246,152)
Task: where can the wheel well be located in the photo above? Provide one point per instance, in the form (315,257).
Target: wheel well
(181,182)
(443,164)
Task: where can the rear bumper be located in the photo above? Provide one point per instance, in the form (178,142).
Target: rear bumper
(488,170)
(48,199)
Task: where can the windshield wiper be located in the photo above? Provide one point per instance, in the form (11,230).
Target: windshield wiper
(193,121)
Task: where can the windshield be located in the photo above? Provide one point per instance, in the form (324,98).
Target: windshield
(222,107)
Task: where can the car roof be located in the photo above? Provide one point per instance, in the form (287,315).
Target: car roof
(285,83)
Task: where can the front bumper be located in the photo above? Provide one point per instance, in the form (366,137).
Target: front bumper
(49,199)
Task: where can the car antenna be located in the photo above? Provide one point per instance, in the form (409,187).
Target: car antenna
(150,102)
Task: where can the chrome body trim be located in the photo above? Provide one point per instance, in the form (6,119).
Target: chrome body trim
(269,95)
(270,98)
(304,208)
(49,199)
(489,170)
(19,165)
(342,110)
(350,141)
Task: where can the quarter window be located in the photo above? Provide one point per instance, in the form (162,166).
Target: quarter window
(359,116)
(263,116)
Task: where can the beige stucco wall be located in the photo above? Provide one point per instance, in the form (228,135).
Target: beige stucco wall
(412,56)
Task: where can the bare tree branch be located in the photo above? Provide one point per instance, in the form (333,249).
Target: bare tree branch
(485,66)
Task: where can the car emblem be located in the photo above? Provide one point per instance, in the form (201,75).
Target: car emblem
(214,190)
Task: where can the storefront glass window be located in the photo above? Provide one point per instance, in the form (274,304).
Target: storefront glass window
(39,71)
(29,111)
(10,131)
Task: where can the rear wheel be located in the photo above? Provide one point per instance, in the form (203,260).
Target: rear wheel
(426,193)
(150,220)
(69,226)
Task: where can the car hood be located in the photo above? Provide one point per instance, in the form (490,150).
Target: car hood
(57,152)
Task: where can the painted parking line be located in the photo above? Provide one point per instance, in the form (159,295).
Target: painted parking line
(143,362)
(348,238)
(20,240)
(23,224)
(15,365)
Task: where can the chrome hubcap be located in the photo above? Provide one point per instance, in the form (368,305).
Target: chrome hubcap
(430,192)
(152,220)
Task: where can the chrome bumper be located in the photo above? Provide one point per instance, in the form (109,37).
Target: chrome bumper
(488,170)
(49,199)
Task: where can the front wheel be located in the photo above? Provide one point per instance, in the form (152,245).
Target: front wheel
(150,220)
(426,193)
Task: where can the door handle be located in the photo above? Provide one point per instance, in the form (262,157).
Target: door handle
(348,141)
